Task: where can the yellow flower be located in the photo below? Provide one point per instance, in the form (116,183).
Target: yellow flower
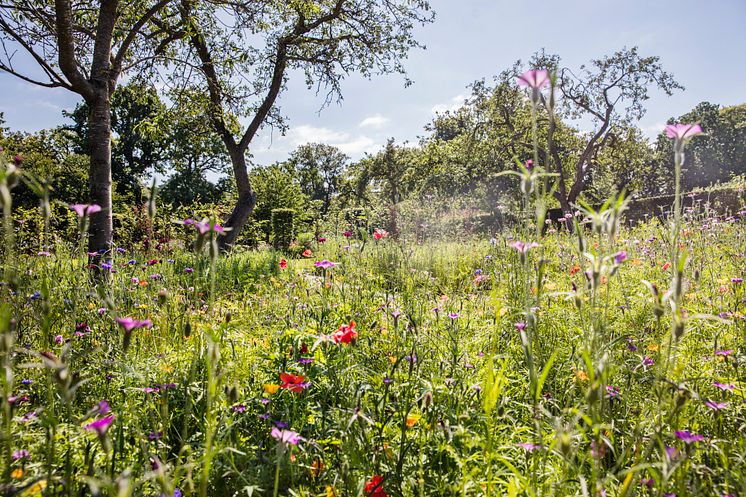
(167,368)
(91,306)
(271,388)
(653,347)
(35,489)
(331,491)
(581,375)
(392,359)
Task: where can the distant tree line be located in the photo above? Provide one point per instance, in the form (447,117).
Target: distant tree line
(457,162)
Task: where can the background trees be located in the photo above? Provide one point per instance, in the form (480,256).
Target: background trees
(85,49)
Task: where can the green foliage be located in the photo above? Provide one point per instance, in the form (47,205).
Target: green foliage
(283,227)
(276,189)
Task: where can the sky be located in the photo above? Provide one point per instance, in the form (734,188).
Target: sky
(700,42)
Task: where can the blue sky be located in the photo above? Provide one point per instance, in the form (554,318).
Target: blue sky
(701,42)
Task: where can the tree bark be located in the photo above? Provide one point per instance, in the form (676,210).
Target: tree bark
(99,125)
(246,199)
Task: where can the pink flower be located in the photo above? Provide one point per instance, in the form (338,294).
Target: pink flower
(687,437)
(325,264)
(286,437)
(204,226)
(716,406)
(535,78)
(83,210)
(682,132)
(523,247)
(130,324)
(100,426)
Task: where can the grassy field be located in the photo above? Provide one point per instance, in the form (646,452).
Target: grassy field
(474,367)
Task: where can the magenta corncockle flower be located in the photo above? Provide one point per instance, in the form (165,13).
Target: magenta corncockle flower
(85,209)
(204,226)
(534,79)
(453,315)
(325,264)
(529,165)
(150,389)
(716,406)
(729,387)
(20,454)
(239,408)
(130,324)
(724,353)
(528,446)
(523,247)
(688,437)
(647,361)
(286,437)
(620,257)
(520,326)
(100,426)
(682,132)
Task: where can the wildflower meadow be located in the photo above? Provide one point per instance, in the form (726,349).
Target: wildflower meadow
(540,297)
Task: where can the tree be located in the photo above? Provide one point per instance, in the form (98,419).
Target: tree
(716,156)
(318,168)
(84,48)
(246,50)
(139,136)
(608,94)
(194,152)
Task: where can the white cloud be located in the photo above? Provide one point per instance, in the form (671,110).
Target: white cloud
(354,145)
(375,121)
(455,103)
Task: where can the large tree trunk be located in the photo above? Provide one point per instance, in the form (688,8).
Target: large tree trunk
(99,123)
(245,203)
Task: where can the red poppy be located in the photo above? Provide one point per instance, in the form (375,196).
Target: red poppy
(283,263)
(307,253)
(293,383)
(345,333)
(666,266)
(575,269)
(380,233)
(374,487)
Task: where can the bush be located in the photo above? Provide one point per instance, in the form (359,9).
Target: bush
(283,229)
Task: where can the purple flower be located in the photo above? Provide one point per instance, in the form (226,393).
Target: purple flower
(534,79)
(325,264)
(150,390)
(687,437)
(681,132)
(286,437)
(647,361)
(736,280)
(188,270)
(239,408)
(724,386)
(612,392)
(716,406)
(724,353)
(155,435)
(58,339)
(453,315)
(21,454)
(620,257)
(130,324)
(103,407)
(204,226)
(83,210)
(100,426)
